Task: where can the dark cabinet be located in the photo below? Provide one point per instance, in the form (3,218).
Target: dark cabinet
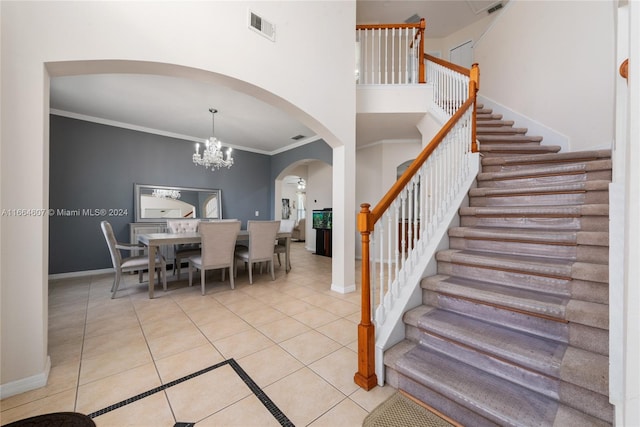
(322,221)
(323,242)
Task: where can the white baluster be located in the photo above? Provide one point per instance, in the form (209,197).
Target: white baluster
(381,259)
(372,57)
(373,281)
(385,63)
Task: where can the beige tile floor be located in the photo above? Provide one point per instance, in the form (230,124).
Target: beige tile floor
(294,337)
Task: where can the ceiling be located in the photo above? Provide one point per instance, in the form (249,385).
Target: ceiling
(179,107)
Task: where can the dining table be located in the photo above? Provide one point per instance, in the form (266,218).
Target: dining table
(153,241)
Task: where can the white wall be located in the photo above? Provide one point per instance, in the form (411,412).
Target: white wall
(201,40)
(552,61)
(624,269)
(472,32)
(376,171)
(281,190)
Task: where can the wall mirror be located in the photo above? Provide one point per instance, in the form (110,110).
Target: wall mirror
(156,203)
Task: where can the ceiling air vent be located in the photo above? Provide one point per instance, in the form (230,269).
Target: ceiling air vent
(494,8)
(413,19)
(262,26)
(297,137)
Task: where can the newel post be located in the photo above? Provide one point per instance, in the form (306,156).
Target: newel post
(474,86)
(421,68)
(365,377)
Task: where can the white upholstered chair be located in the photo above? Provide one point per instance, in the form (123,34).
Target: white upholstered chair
(184,251)
(137,263)
(286,226)
(299,230)
(218,244)
(262,236)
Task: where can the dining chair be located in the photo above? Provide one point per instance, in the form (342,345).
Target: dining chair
(262,235)
(299,230)
(137,263)
(183,251)
(286,226)
(218,244)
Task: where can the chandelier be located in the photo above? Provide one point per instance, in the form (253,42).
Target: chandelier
(165,194)
(301,184)
(212,156)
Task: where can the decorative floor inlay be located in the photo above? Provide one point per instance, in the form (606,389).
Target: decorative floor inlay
(255,389)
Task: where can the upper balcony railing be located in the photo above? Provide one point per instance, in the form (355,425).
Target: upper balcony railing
(390,54)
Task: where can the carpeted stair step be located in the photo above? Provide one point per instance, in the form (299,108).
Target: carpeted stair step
(481,117)
(526,297)
(495,123)
(552,359)
(481,110)
(502,150)
(496,164)
(579,193)
(548,175)
(490,397)
(578,289)
(534,362)
(551,306)
(533,353)
(481,129)
(391,357)
(448,384)
(573,217)
(545,267)
(581,246)
(518,139)
(534,303)
(516,320)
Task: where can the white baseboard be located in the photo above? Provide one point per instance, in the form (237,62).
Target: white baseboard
(343,290)
(549,136)
(26,384)
(84,273)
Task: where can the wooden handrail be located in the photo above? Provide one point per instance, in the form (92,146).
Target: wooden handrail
(397,187)
(366,377)
(474,87)
(390,26)
(450,65)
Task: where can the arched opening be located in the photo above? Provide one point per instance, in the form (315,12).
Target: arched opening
(316,193)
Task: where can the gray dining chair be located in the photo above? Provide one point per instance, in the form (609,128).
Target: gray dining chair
(135,263)
(218,244)
(183,251)
(262,236)
(286,226)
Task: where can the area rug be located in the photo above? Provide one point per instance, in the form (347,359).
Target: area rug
(400,411)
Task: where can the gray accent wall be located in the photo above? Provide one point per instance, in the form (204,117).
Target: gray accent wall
(95,166)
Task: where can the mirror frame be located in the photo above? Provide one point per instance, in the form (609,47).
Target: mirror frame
(138,192)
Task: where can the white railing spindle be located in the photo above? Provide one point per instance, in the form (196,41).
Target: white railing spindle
(389,55)
(410,221)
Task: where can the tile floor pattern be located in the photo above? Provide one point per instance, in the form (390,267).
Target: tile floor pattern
(294,337)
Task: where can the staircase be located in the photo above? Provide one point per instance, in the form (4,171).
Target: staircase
(513,329)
